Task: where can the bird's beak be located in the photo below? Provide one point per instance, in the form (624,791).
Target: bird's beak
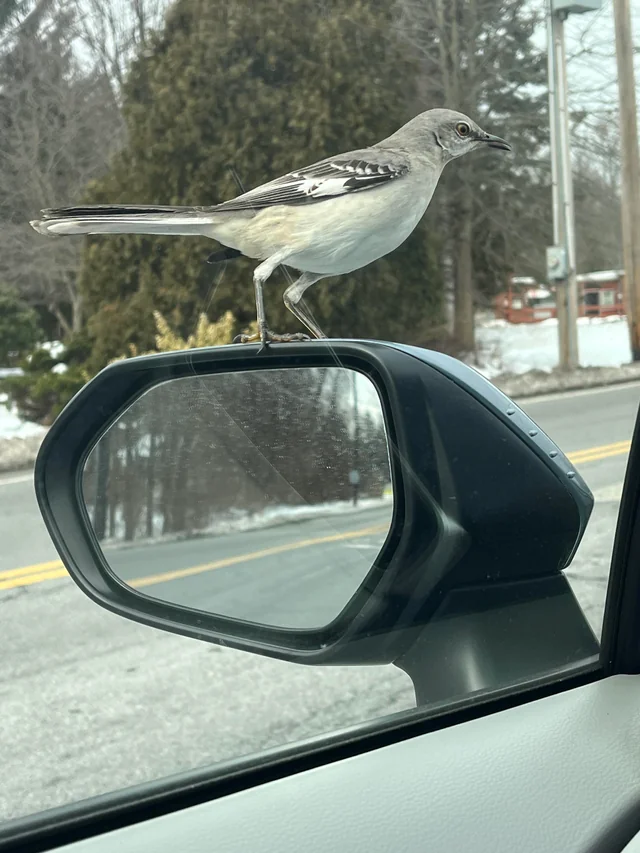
(496,142)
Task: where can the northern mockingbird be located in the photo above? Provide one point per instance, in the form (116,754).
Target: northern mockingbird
(327,219)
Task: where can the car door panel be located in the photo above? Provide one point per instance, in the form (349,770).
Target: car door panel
(558,774)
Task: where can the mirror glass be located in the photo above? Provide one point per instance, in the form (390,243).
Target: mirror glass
(262,495)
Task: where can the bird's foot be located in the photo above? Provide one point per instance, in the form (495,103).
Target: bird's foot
(267,337)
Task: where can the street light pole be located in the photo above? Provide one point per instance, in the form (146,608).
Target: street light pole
(562,189)
(561,257)
(557,186)
(568,212)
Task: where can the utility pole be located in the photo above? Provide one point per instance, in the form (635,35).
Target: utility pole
(630,170)
(561,257)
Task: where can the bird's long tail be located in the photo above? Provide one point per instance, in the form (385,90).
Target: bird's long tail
(125,219)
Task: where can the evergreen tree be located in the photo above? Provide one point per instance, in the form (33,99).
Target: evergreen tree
(19,331)
(266,88)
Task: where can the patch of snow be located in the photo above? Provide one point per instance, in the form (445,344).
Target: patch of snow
(54,348)
(493,323)
(600,276)
(518,348)
(271,516)
(12,426)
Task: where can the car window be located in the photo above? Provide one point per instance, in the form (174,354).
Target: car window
(161,105)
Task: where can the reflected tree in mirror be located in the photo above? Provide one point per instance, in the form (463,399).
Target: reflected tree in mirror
(262,495)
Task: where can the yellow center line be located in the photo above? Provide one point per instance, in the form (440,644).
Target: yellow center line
(28,575)
(27,570)
(53,569)
(35,577)
(255,555)
(605,451)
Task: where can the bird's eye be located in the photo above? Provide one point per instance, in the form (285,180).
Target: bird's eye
(463,129)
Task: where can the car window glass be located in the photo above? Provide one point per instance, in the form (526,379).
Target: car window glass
(189,103)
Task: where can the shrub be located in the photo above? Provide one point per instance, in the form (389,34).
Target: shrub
(208,333)
(49,381)
(46,385)
(19,330)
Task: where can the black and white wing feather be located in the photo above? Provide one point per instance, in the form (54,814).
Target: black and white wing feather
(335,176)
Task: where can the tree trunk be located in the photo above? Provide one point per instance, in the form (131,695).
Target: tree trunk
(65,328)
(76,313)
(102,487)
(131,509)
(464,330)
(151,483)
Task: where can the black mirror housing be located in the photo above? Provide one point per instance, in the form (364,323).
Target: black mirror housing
(487,512)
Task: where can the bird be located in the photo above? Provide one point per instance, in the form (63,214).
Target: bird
(335,216)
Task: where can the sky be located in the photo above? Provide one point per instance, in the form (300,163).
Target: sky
(590,49)
(591,66)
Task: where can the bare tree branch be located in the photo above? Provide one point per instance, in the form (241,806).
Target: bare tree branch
(112,33)
(60,128)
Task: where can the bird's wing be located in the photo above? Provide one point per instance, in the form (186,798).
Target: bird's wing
(335,176)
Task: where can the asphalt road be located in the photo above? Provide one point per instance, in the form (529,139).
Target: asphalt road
(92,703)
(296,575)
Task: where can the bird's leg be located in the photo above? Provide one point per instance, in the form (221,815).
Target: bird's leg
(260,275)
(265,335)
(292,299)
(260,313)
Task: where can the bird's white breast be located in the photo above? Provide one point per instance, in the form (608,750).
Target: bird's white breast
(355,231)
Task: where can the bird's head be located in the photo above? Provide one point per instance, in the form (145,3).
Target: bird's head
(453,134)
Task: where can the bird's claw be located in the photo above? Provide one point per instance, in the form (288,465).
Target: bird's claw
(268,337)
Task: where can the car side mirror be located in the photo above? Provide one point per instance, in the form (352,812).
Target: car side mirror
(342,502)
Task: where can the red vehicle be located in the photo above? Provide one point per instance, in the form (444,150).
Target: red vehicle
(525,301)
(601,294)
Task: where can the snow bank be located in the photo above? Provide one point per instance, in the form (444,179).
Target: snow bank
(515,349)
(11,426)
(17,453)
(272,516)
(19,440)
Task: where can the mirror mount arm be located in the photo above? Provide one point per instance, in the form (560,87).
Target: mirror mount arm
(461,650)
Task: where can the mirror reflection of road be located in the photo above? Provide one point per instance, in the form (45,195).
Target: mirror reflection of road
(297,574)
